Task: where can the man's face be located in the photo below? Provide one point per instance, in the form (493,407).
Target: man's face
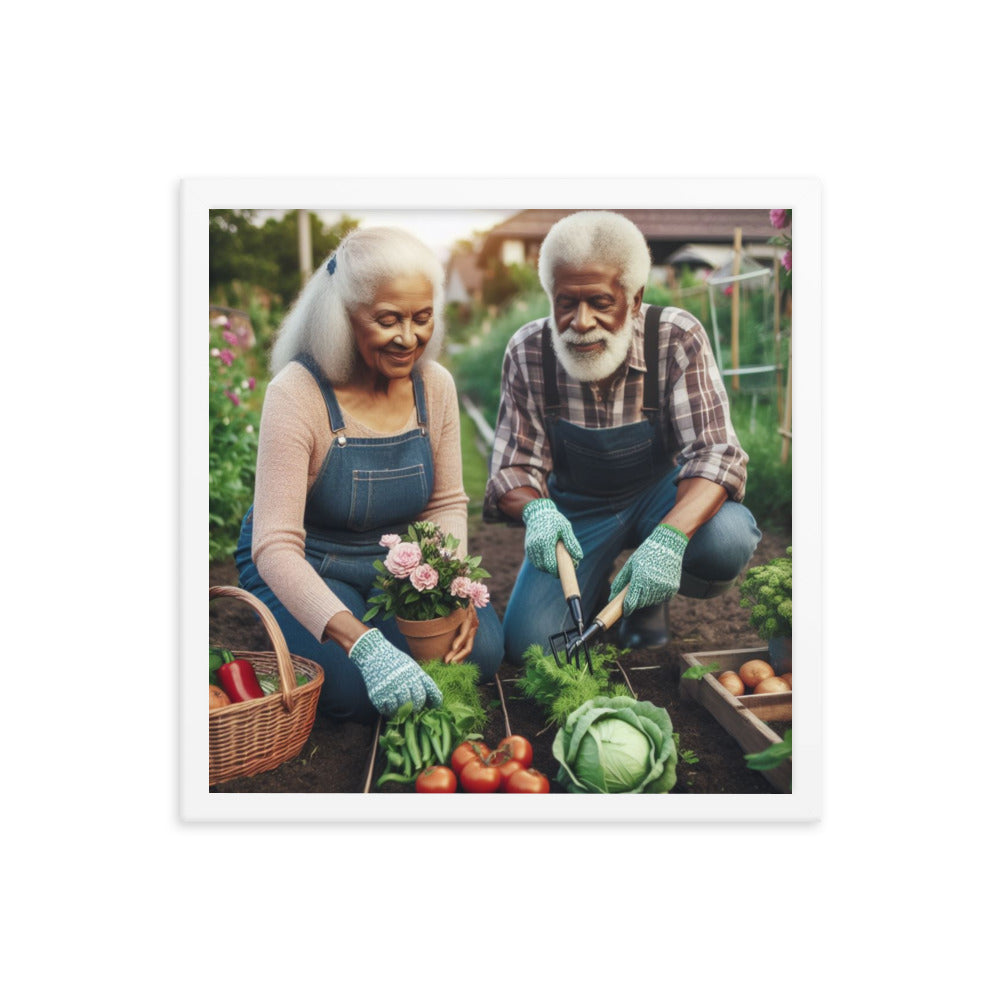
(592,315)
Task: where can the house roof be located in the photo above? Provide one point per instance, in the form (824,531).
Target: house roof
(674,226)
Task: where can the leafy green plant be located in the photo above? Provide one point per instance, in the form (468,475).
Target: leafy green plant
(698,670)
(766,760)
(233,425)
(560,688)
(616,745)
(767,590)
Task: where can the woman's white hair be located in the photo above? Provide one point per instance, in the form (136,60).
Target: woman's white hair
(586,238)
(319,322)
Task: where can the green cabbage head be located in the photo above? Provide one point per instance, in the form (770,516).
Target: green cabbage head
(612,745)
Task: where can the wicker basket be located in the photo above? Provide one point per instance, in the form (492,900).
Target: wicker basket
(249,737)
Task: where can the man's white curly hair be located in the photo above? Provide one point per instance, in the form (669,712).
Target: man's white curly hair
(594,237)
(319,322)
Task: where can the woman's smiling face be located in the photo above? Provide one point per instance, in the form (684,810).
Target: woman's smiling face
(393,330)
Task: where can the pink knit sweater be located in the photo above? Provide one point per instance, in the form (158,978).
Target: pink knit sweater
(294,439)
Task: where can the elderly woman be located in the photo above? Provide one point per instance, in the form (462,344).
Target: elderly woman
(359,437)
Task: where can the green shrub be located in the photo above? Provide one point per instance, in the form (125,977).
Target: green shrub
(233,424)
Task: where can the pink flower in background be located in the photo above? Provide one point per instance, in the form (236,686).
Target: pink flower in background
(480,594)
(389,541)
(234,399)
(230,338)
(251,383)
(728,290)
(424,577)
(461,587)
(779,218)
(786,261)
(403,559)
(226,356)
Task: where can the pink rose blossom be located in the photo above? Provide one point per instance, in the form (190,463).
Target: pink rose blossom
(480,594)
(424,577)
(389,541)
(403,559)
(226,356)
(461,587)
(786,261)
(779,218)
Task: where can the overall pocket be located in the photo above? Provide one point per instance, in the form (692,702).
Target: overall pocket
(387,496)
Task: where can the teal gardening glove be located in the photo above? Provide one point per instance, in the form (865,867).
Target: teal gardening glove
(653,571)
(391,677)
(544,526)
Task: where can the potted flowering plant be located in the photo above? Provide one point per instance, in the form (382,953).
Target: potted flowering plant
(427,586)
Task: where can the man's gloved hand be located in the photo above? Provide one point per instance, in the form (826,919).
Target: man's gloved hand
(544,526)
(653,571)
(391,677)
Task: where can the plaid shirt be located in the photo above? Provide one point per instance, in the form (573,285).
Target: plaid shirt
(697,430)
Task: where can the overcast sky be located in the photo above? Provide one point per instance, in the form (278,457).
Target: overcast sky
(438,228)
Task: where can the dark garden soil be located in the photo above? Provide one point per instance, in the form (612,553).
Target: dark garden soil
(336,756)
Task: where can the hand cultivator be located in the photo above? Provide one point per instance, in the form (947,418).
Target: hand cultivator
(566,645)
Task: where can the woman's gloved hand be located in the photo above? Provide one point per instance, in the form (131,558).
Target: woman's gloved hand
(544,526)
(653,571)
(391,677)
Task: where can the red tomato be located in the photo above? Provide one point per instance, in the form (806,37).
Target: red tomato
(465,752)
(528,781)
(437,779)
(479,777)
(506,769)
(519,748)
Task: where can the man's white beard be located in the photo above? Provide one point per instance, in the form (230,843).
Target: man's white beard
(598,366)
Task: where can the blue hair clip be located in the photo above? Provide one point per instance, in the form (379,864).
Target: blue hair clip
(331,264)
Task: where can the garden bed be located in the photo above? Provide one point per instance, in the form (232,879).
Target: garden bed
(337,757)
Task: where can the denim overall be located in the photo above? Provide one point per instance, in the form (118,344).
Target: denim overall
(367,487)
(615,485)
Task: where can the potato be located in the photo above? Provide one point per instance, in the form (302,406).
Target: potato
(754,671)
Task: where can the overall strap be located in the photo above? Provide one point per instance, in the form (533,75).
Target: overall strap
(419,399)
(332,407)
(651,350)
(549,373)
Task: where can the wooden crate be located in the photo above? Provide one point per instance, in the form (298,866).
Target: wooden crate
(745,717)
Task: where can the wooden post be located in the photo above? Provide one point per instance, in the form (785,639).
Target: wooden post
(305,247)
(786,431)
(737,248)
(777,342)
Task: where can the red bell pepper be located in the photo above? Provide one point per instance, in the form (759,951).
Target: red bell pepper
(239,681)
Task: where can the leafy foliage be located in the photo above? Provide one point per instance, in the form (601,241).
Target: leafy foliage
(765,760)
(266,256)
(767,590)
(233,425)
(560,688)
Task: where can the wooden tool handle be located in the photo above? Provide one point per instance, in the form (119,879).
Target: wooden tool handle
(567,571)
(612,611)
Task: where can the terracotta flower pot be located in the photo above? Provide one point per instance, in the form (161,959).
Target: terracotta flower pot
(431,639)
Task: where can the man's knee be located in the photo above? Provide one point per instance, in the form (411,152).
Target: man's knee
(719,552)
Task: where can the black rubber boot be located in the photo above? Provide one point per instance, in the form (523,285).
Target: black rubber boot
(646,628)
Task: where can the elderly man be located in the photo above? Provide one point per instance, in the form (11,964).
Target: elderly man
(613,433)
